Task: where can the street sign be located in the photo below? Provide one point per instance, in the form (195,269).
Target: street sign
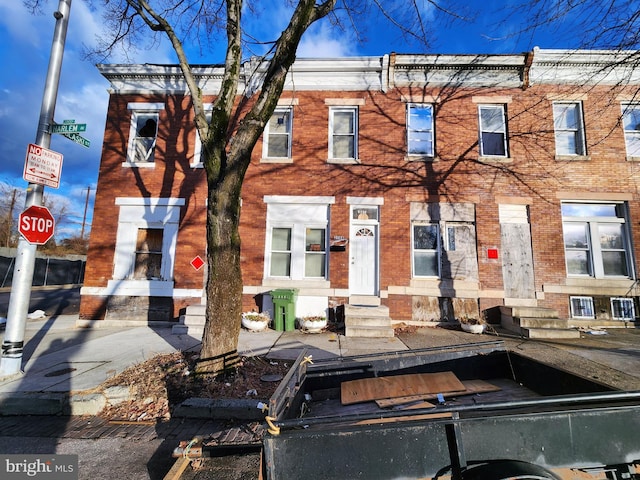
(68,127)
(42,166)
(79,139)
(36,224)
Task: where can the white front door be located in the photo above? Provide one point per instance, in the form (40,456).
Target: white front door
(363,270)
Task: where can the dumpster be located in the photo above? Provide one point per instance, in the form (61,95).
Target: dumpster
(284,309)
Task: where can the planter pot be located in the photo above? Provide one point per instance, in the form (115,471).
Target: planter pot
(254,325)
(312,326)
(472,328)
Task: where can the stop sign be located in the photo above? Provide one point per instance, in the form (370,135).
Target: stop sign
(36,224)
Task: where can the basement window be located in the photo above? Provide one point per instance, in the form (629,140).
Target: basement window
(582,307)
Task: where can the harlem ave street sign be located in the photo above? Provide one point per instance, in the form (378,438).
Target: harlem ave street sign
(36,224)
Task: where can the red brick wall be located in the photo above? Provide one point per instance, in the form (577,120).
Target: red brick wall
(532,176)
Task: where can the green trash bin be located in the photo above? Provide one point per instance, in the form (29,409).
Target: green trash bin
(284,309)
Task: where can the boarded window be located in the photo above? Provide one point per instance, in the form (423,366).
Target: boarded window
(148,260)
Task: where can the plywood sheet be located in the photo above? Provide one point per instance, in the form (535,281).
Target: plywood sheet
(471,387)
(366,389)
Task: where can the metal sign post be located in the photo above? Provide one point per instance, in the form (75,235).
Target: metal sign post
(13,344)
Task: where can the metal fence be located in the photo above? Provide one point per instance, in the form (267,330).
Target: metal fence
(47,270)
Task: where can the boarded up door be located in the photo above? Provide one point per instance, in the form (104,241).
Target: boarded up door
(517,257)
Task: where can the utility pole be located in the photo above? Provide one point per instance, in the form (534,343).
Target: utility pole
(13,344)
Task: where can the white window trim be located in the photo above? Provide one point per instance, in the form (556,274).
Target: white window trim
(136,108)
(505,131)
(589,300)
(298,226)
(138,213)
(625,106)
(420,156)
(580,132)
(595,251)
(625,300)
(355,112)
(197,150)
(265,142)
(438,249)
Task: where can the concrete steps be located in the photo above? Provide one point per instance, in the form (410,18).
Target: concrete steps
(536,322)
(371,321)
(192,322)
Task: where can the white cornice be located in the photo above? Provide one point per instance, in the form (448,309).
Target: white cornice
(575,67)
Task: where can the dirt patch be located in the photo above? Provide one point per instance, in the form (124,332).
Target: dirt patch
(162,382)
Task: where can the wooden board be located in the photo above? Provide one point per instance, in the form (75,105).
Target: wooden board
(366,389)
(472,387)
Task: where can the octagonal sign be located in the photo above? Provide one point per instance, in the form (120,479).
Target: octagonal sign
(36,224)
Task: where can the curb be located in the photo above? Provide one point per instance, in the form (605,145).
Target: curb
(91,404)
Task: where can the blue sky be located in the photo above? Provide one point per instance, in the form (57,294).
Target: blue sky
(25,43)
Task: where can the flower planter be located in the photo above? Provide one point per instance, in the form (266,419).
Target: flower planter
(255,322)
(472,328)
(312,325)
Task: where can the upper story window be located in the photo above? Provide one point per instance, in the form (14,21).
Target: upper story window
(631,123)
(420,129)
(596,239)
(143,132)
(343,133)
(278,134)
(569,128)
(197,154)
(493,131)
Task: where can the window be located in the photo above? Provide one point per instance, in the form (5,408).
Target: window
(582,307)
(596,239)
(426,250)
(143,137)
(277,135)
(343,132)
(145,246)
(420,129)
(296,241)
(315,252)
(631,123)
(568,128)
(197,154)
(623,309)
(281,252)
(148,257)
(493,131)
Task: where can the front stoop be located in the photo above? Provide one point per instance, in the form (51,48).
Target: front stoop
(367,321)
(192,322)
(536,322)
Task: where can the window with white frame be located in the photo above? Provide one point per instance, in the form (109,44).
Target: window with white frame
(197,154)
(569,128)
(148,255)
(278,134)
(296,242)
(426,249)
(596,239)
(623,309)
(631,124)
(343,133)
(493,131)
(420,129)
(145,246)
(582,307)
(143,132)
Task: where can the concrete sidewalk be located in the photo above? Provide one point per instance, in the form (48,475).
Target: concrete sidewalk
(63,364)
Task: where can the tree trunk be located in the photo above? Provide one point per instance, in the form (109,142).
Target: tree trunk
(224,281)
